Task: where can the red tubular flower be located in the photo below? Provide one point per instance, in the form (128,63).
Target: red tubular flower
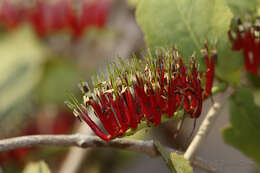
(145,91)
(210,66)
(142,98)
(172,97)
(94,127)
(246,38)
(118,108)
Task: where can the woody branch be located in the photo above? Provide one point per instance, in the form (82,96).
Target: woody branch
(78,140)
(86,141)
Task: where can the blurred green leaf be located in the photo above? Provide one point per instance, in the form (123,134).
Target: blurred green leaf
(133,3)
(244,132)
(37,167)
(169,22)
(181,164)
(257,97)
(239,7)
(60,77)
(20,68)
(254,80)
(16,117)
(219,87)
(229,63)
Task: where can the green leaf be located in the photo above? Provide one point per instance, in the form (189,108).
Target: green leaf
(254,80)
(169,22)
(181,164)
(175,162)
(132,3)
(37,167)
(165,155)
(257,97)
(20,68)
(60,77)
(219,87)
(229,63)
(239,7)
(244,132)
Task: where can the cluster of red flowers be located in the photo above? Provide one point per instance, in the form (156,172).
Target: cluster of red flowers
(145,90)
(47,17)
(246,37)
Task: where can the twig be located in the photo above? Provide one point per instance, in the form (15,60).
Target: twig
(79,140)
(205,127)
(204,165)
(86,141)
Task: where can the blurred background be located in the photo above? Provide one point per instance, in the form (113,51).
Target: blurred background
(46,48)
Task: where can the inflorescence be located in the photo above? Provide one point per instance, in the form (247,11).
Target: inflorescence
(146,90)
(245,36)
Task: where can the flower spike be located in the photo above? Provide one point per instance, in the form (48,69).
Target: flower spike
(244,36)
(152,88)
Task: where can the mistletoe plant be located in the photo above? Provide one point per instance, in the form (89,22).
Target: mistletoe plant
(172,83)
(162,84)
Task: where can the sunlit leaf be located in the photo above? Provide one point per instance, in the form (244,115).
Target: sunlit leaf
(60,77)
(21,56)
(165,155)
(242,6)
(133,3)
(181,164)
(176,22)
(37,167)
(175,162)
